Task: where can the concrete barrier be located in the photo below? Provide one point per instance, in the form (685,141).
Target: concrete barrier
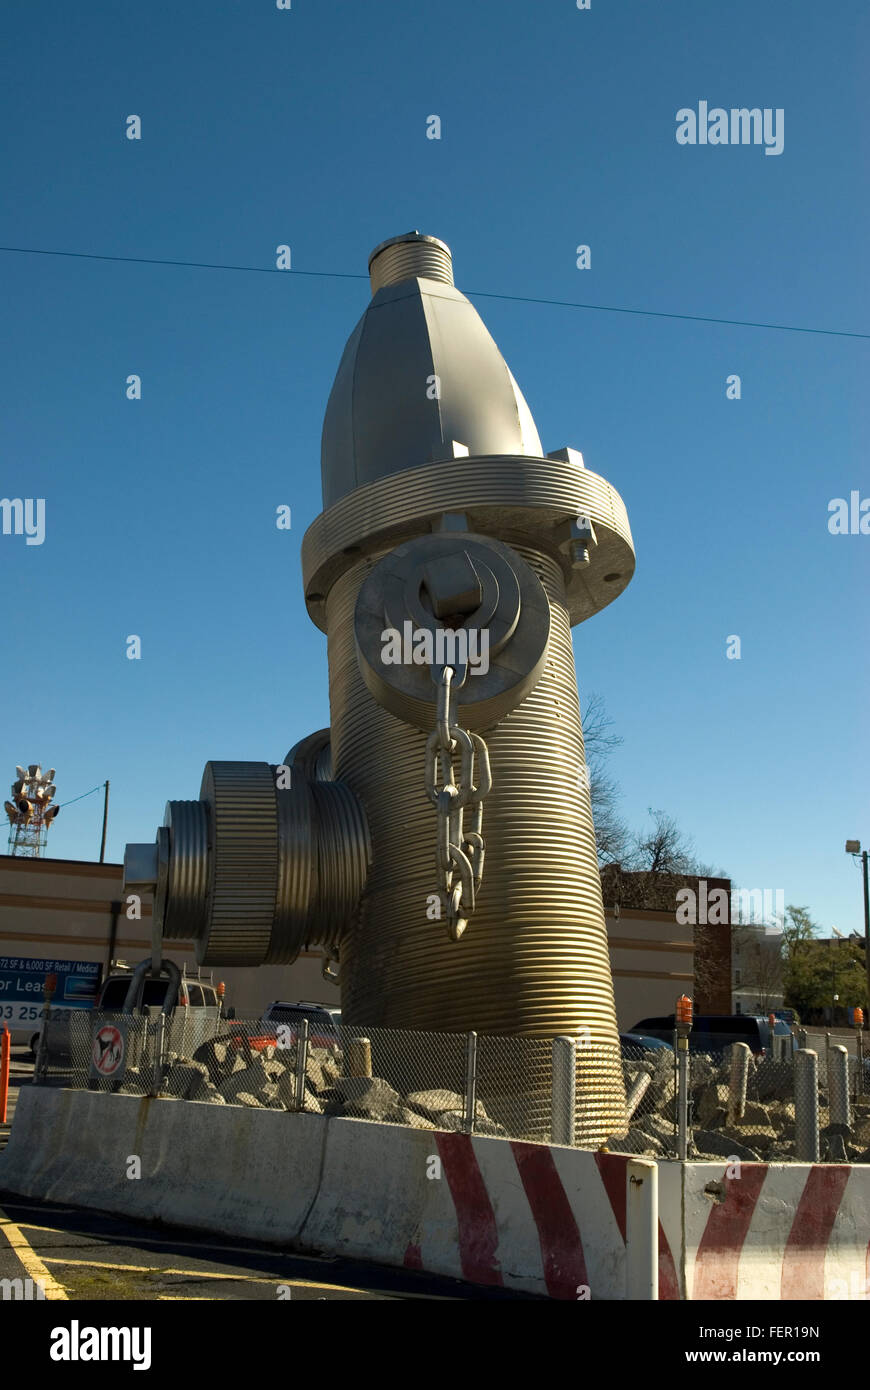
(786,1231)
(216,1168)
(544,1219)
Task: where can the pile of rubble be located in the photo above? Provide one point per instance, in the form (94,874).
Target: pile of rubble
(765,1131)
(223,1072)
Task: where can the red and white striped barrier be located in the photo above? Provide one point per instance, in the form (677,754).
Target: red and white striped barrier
(770,1231)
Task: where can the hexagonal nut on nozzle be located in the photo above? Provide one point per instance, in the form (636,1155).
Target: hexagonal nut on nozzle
(140,868)
(576,536)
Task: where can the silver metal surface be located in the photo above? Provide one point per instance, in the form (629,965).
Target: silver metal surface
(185,895)
(243,862)
(254,873)
(409,257)
(419,372)
(458,851)
(512,619)
(520,501)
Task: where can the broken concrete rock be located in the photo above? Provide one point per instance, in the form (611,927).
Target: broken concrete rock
(432,1104)
(221,1058)
(711,1105)
(362,1097)
(183,1075)
(250,1079)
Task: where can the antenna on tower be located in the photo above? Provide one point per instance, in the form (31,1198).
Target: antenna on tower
(31,811)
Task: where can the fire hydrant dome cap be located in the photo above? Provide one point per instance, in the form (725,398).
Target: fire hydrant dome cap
(420,373)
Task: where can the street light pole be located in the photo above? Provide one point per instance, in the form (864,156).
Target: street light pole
(854,847)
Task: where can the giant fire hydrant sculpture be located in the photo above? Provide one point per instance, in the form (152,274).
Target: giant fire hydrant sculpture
(437,840)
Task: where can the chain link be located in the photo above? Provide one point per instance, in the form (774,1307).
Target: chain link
(460,852)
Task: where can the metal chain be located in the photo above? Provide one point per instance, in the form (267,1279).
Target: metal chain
(460,852)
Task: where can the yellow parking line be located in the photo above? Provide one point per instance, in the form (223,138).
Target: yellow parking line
(193,1244)
(204,1274)
(30,1260)
(156,1269)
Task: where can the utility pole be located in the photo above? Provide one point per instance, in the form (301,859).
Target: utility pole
(105,822)
(854,847)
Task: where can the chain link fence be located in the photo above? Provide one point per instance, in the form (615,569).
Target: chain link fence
(549,1090)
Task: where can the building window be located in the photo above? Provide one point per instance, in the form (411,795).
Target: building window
(737,977)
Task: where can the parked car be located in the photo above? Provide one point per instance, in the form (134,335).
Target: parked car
(280,1024)
(193,994)
(323,1021)
(630,1042)
(716,1032)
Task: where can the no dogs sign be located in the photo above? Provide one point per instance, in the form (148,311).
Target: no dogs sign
(108,1052)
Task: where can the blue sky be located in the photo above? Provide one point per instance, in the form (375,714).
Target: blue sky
(308,127)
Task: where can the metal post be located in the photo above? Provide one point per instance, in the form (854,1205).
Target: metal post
(806,1106)
(160,1023)
(737,1082)
(859,1076)
(563,1094)
(838,1086)
(682,1097)
(105,822)
(301,1063)
(41,1067)
(802,1038)
(866,924)
(470,1081)
(641,1230)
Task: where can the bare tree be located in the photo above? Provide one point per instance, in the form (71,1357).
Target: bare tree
(611,832)
(663,849)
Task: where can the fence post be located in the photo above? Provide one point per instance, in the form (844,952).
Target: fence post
(838,1086)
(159,1037)
(563,1094)
(40,1066)
(806,1106)
(682,1097)
(802,1039)
(641,1230)
(301,1063)
(737,1080)
(470,1081)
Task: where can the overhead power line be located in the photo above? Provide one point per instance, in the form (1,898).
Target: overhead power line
(83,795)
(479,294)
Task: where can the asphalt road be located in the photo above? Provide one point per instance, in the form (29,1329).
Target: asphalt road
(79,1254)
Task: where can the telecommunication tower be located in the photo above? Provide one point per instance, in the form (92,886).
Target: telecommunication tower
(30,811)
